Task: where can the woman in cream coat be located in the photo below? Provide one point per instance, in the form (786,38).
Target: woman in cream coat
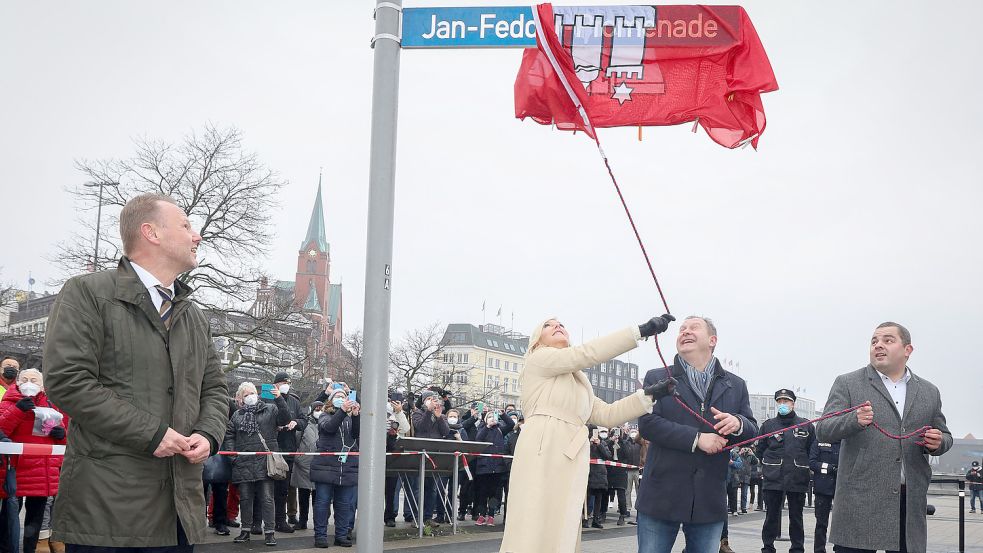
(549,472)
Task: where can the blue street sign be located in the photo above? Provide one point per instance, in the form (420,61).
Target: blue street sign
(492,27)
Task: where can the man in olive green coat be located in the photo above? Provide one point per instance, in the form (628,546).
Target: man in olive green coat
(130,359)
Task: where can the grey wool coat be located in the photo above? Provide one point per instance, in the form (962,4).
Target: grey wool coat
(866,510)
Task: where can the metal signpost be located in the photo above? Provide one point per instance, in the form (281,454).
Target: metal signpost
(494,27)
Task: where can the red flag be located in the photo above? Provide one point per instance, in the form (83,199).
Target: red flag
(646,65)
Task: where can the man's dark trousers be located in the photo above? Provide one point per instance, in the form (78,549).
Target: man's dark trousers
(773,520)
(824,504)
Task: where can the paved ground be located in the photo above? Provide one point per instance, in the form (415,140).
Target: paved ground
(745,537)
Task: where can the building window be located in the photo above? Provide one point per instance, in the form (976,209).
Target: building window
(617,370)
(497,363)
(460,358)
(506,388)
(488,383)
(489,362)
(465,358)
(593,378)
(515,384)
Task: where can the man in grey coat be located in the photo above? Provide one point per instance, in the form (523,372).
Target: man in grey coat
(882,483)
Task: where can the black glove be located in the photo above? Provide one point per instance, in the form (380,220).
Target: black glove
(662,388)
(25,404)
(655,325)
(57,433)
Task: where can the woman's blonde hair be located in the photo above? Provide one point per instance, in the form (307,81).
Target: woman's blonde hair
(242,391)
(537,334)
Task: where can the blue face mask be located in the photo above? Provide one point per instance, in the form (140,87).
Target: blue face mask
(338,402)
(784,409)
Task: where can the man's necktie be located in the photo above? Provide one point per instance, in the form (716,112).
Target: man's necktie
(165,306)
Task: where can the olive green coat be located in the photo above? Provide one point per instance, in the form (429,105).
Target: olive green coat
(123,378)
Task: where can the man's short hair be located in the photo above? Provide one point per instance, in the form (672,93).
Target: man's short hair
(905,335)
(139,210)
(14,359)
(710,326)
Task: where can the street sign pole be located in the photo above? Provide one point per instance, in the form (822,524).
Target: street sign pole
(378,275)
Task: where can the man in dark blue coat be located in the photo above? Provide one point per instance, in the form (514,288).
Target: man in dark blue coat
(823,459)
(685,481)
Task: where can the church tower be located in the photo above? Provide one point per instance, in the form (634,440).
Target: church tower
(313,292)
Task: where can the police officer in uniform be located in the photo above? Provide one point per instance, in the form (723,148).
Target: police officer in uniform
(823,459)
(785,467)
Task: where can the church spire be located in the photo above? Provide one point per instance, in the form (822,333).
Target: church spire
(315,229)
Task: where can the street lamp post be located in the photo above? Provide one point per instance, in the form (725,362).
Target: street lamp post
(95,255)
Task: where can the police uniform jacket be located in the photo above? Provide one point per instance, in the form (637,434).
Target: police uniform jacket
(823,460)
(785,456)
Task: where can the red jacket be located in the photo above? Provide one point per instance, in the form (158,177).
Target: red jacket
(37,476)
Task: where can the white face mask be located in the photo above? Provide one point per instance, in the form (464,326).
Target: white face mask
(317,414)
(451,420)
(284,388)
(29,389)
(603,435)
(633,435)
(251,399)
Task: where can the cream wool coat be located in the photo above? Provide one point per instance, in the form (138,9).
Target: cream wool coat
(548,483)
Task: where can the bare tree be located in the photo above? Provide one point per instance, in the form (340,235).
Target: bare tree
(415,364)
(346,361)
(227,192)
(414,361)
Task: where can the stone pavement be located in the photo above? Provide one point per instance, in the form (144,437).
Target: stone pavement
(745,537)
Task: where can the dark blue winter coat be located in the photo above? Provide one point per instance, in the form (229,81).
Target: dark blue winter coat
(824,459)
(681,484)
(336,432)
(495,435)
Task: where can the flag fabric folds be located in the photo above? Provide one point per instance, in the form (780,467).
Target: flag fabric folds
(619,66)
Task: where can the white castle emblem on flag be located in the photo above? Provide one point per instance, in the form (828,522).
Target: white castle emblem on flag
(615,32)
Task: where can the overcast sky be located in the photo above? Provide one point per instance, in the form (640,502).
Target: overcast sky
(861,205)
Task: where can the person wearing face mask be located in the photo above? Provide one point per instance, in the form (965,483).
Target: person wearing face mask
(488,471)
(288,437)
(253,427)
(8,373)
(785,470)
(429,422)
(633,454)
(335,477)
(597,477)
(37,476)
(300,477)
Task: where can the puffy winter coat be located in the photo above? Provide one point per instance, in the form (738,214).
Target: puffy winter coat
(337,432)
(617,476)
(785,457)
(597,478)
(632,452)
(300,476)
(749,461)
(252,468)
(37,476)
(495,435)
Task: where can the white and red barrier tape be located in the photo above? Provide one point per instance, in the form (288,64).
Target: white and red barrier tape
(10,448)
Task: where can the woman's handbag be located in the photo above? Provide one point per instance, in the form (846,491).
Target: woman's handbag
(218,469)
(276,466)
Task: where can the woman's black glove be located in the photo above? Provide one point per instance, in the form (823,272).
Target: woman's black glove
(25,404)
(655,325)
(662,388)
(57,433)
